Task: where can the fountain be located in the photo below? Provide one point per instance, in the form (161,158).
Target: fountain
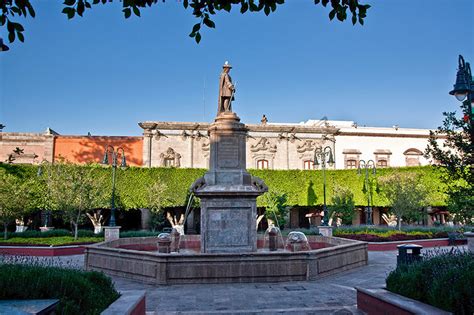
(226,250)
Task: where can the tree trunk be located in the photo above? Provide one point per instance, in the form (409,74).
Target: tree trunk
(399,223)
(5,231)
(75,230)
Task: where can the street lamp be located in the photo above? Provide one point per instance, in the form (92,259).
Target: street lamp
(370,164)
(114,154)
(464,88)
(324,156)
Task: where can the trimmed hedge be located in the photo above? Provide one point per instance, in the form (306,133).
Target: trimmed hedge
(444,280)
(79,292)
(50,241)
(303,187)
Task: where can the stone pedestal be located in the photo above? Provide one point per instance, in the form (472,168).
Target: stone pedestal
(325,230)
(470,241)
(111,233)
(228,192)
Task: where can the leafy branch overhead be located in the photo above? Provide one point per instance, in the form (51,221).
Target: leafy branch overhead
(201,9)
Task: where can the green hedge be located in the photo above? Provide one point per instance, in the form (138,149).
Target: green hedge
(79,292)
(444,280)
(304,188)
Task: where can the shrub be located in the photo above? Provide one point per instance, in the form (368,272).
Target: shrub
(53,233)
(51,241)
(79,292)
(443,279)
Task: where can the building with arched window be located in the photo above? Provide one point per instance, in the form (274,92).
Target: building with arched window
(269,146)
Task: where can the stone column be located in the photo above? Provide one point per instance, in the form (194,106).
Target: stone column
(148,128)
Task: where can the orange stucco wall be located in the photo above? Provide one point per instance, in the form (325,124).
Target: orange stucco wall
(82,149)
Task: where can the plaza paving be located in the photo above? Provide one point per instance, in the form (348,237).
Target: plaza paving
(330,295)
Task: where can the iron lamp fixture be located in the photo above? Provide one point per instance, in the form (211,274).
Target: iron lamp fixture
(325,156)
(114,154)
(370,164)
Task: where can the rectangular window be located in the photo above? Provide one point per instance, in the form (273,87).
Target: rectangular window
(350,164)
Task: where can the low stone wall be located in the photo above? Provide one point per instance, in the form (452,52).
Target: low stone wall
(381,301)
(156,268)
(131,302)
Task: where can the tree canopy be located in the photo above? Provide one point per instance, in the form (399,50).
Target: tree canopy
(11,10)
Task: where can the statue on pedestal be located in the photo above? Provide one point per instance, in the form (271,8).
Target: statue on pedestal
(226,90)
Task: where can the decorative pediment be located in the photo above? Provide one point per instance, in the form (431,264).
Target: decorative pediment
(308,145)
(263,145)
(170,158)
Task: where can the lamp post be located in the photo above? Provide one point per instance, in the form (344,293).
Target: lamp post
(370,164)
(323,156)
(464,88)
(114,154)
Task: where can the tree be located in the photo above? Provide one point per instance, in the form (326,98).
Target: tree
(276,208)
(455,159)
(342,204)
(201,9)
(406,195)
(156,199)
(73,190)
(15,198)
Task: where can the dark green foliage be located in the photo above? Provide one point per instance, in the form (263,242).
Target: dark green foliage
(80,292)
(133,182)
(276,207)
(201,9)
(444,280)
(455,159)
(53,233)
(138,234)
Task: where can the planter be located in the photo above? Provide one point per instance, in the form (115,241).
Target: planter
(381,301)
(98,229)
(129,303)
(46,228)
(21,228)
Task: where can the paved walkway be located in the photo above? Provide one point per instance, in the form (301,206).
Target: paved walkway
(330,295)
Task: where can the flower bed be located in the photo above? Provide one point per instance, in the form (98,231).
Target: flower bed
(385,234)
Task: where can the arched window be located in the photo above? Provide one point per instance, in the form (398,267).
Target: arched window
(308,165)
(262,164)
(412,157)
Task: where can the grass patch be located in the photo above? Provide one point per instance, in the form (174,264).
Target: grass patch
(51,241)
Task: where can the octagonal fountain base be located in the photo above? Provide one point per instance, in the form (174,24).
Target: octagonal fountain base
(135,258)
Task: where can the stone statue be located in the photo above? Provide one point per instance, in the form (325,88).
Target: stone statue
(226,90)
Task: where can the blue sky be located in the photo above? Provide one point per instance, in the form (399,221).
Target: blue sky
(104,74)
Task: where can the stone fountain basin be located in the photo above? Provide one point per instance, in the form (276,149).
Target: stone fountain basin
(121,258)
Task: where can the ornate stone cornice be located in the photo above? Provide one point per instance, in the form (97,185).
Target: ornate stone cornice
(263,145)
(251,127)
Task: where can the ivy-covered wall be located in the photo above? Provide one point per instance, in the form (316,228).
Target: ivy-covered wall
(304,188)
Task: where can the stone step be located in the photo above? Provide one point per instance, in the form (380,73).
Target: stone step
(346,310)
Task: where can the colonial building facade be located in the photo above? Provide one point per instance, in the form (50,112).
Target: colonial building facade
(269,145)
(288,146)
